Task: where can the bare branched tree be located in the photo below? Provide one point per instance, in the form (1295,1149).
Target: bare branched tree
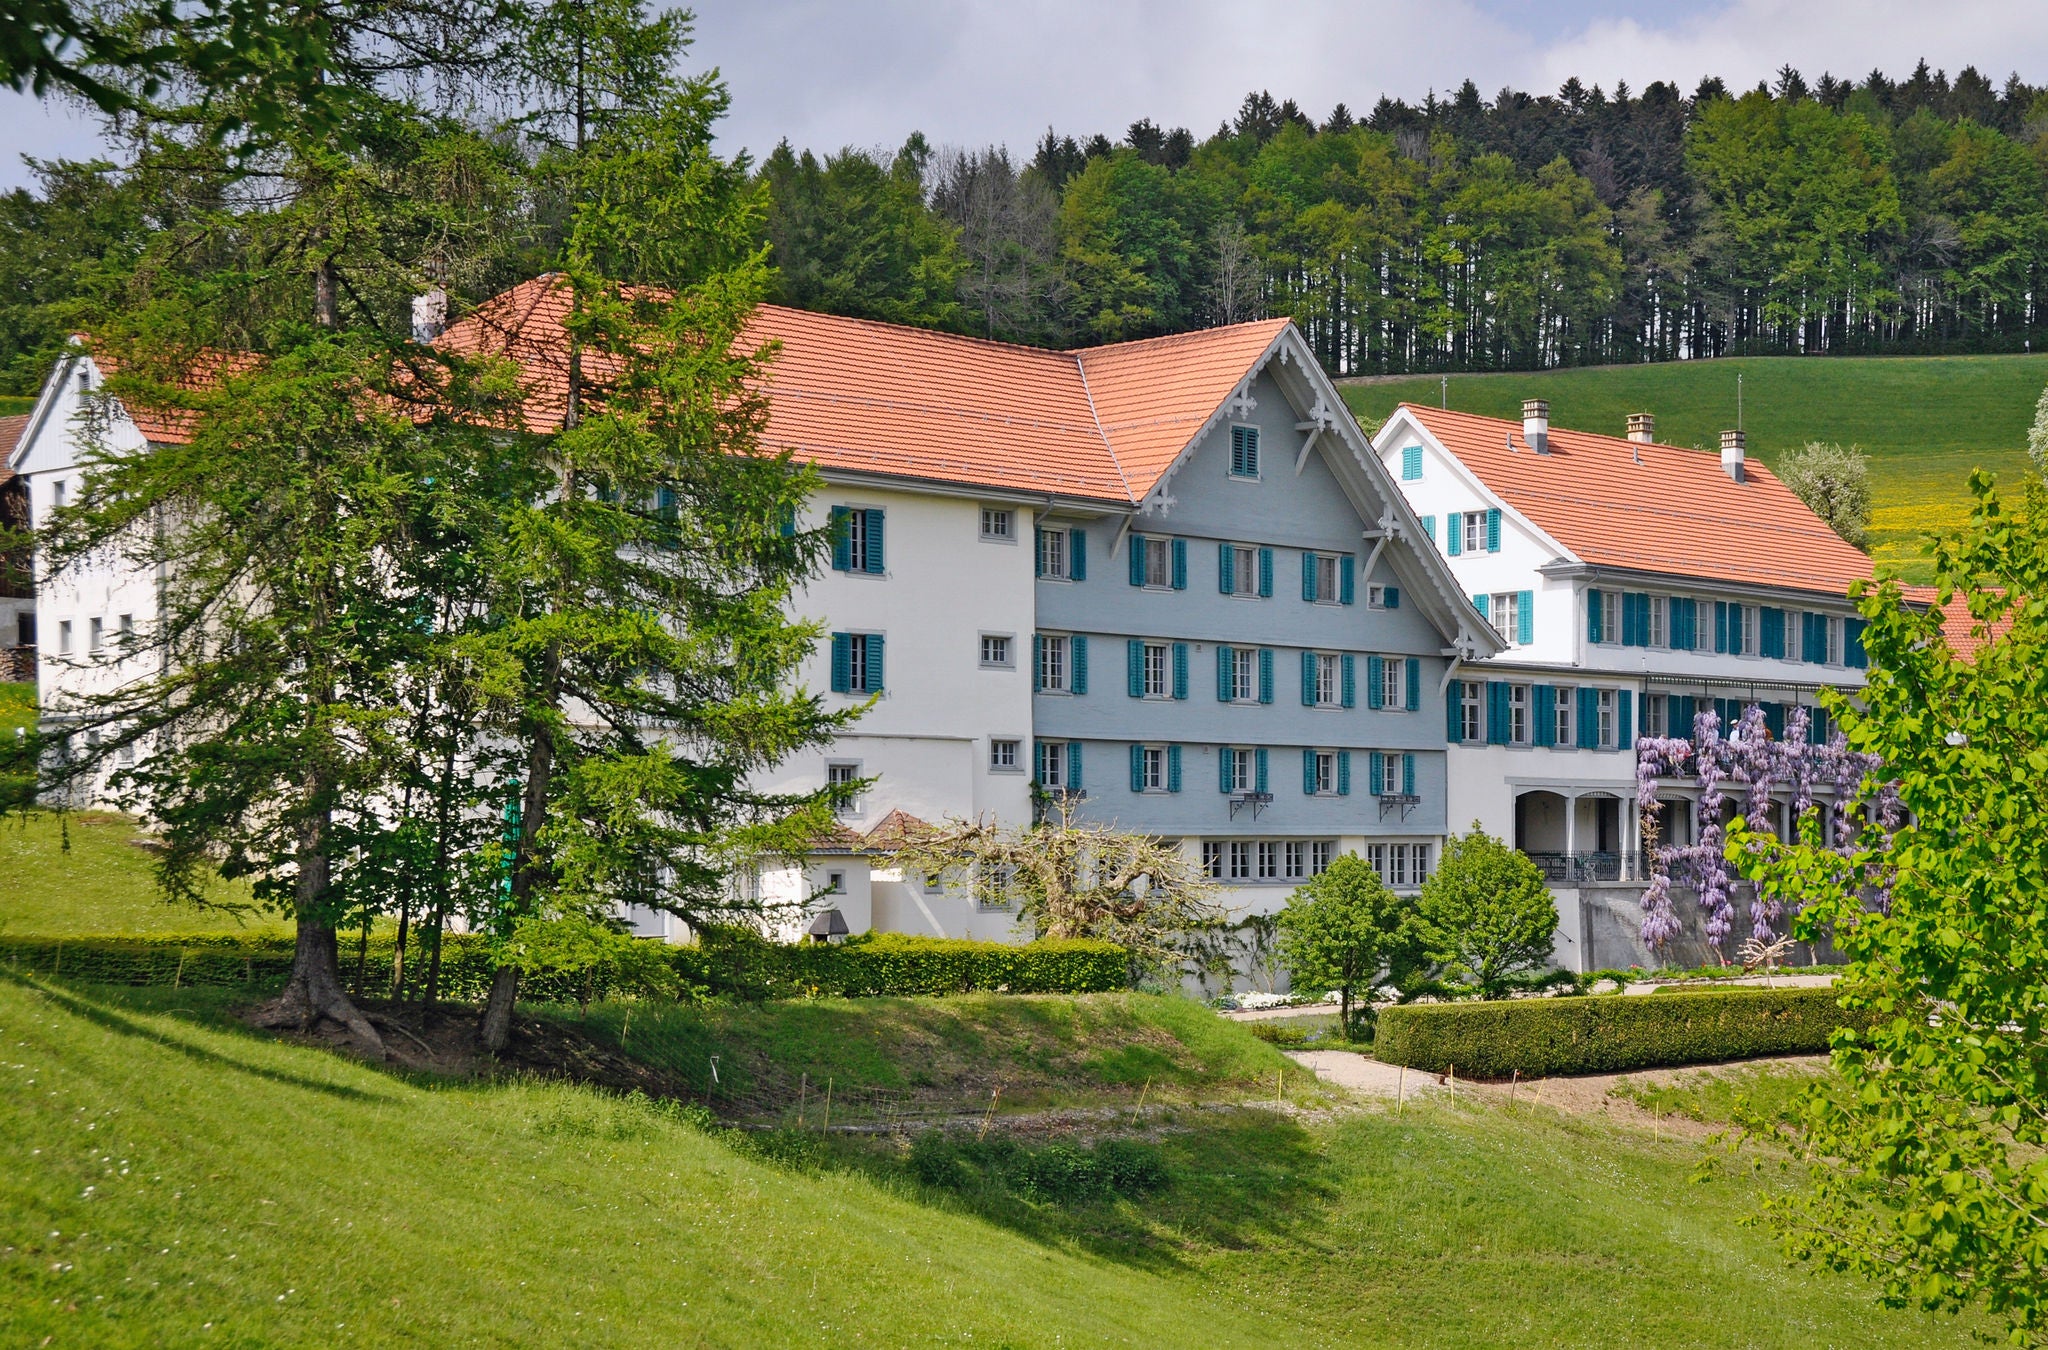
(1011,284)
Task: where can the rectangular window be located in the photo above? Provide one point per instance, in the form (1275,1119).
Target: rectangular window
(1329,681)
(1389,773)
(1157,671)
(1240,769)
(835,883)
(1052,554)
(1610,618)
(1244,452)
(1468,711)
(995,650)
(1294,859)
(97,628)
(1320,851)
(1518,714)
(1656,714)
(840,775)
(1742,629)
(1240,860)
(1053,663)
(1244,675)
(1567,732)
(1269,860)
(1327,583)
(1827,647)
(1504,609)
(1052,765)
(1002,756)
(1326,773)
(1244,570)
(1158,563)
(1660,621)
(1411,463)
(1152,768)
(1393,684)
(998,522)
(858,542)
(1607,729)
(1212,859)
(1376,597)
(63,637)
(1474,525)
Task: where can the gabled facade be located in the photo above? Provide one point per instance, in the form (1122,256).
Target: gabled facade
(1635,586)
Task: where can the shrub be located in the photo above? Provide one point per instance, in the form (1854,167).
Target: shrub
(872,964)
(1544,1036)
(1060,1174)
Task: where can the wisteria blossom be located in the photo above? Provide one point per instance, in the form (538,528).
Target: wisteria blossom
(1761,768)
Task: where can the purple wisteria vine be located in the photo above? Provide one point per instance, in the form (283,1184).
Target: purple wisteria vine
(1748,762)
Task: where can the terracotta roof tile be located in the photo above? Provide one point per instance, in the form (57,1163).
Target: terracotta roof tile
(895,830)
(10,438)
(1958,629)
(1652,508)
(853,394)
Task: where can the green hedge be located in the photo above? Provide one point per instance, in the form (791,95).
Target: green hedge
(1608,1034)
(726,963)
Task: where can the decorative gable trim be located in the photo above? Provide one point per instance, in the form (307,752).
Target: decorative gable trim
(1402,419)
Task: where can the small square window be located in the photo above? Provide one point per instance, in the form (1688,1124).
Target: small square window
(998,523)
(844,775)
(1003,756)
(1244,452)
(996,651)
(835,883)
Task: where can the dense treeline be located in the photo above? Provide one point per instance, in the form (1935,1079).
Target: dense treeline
(1461,234)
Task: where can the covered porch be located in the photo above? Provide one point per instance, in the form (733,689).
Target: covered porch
(1580,834)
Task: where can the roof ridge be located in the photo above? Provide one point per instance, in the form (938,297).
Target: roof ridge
(939,333)
(1186,334)
(1081,369)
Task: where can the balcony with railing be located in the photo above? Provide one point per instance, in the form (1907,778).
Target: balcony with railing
(1588,869)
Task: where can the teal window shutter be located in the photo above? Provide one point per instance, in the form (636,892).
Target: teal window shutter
(875,684)
(1453,535)
(1454,720)
(1173,768)
(1685,623)
(1497,717)
(1038,662)
(1589,718)
(1624,719)
(1411,462)
(1266,573)
(1265,675)
(842,539)
(1136,544)
(842,663)
(874,523)
(1375,676)
(1180,670)
(1414,684)
(1525,618)
(1481,603)
(1226,569)
(1134,673)
(1078,683)
(1137,768)
(1347,567)
(1350,689)
(1226,760)
(1429,527)
(1374,784)
(1852,644)
(1771,631)
(1593,633)
(1408,775)
(786,522)
(1393,597)
(1308,679)
(1544,702)
(1077,555)
(1225,675)
(1259,780)
(1308,577)
(1343,773)
(1038,749)
(1721,626)
(1493,530)
(1074,766)
(1308,773)
(1180,564)
(1038,553)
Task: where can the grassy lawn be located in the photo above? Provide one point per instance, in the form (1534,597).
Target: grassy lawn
(87,873)
(1716,1098)
(11,405)
(1926,421)
(169,1177)
(17,707)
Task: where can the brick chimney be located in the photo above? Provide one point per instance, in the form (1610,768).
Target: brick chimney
(1732,443)
(1536,424)
(1642,427)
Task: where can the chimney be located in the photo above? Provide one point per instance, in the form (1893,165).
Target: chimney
(1731,453)
(1536,424)
(429,315)
(1642,427)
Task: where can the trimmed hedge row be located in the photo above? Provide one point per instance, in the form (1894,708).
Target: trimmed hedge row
(726,963)
(1608,1034)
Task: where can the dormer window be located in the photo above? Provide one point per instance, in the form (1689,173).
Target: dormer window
(1244,452)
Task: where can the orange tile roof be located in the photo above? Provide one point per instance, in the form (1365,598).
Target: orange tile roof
(173,426)
(895,830)
(10,437)
(1102,423)
(1958,629)
(1652,508)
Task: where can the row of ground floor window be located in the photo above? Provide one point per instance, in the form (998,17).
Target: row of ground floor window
(1583,717)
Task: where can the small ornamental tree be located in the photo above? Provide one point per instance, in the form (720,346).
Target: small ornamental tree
(1928,1172)
(1834,482)
(1076,879)
(1487,913)
(1336,931)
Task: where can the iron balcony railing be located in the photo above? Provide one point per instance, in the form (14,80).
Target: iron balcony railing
(1577,869)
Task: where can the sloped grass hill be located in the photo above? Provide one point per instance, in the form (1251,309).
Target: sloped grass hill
(90,873)
(169,1177)
(1925,421)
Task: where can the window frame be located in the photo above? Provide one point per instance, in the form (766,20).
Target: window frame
(1521,714)
(1008,659)
(1244,571)
(1610,618)
(1326,773)
(1016,754)
(1162,688)
(1743,639)
(1056,668)
(1321,853)
(1329,577)
(846,771)
(1607,712)
(1164,557)
(1330,672)
(1244,769)
(1565,721)
(1007,516)
(1499,604)
(1659,636)
(1472,524)
(1054,560)
(1152,768)
(1244,674)
(1471,721)
(1393,684)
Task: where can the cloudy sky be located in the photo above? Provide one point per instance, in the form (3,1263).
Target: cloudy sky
(828,73)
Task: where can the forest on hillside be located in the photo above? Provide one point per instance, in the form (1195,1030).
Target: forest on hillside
(1529,231)
(1461,234)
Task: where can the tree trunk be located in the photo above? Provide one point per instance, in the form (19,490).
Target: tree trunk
(496,1031)
(315,993)
(1344,1013)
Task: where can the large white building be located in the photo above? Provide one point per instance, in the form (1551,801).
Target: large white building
(1635,585)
